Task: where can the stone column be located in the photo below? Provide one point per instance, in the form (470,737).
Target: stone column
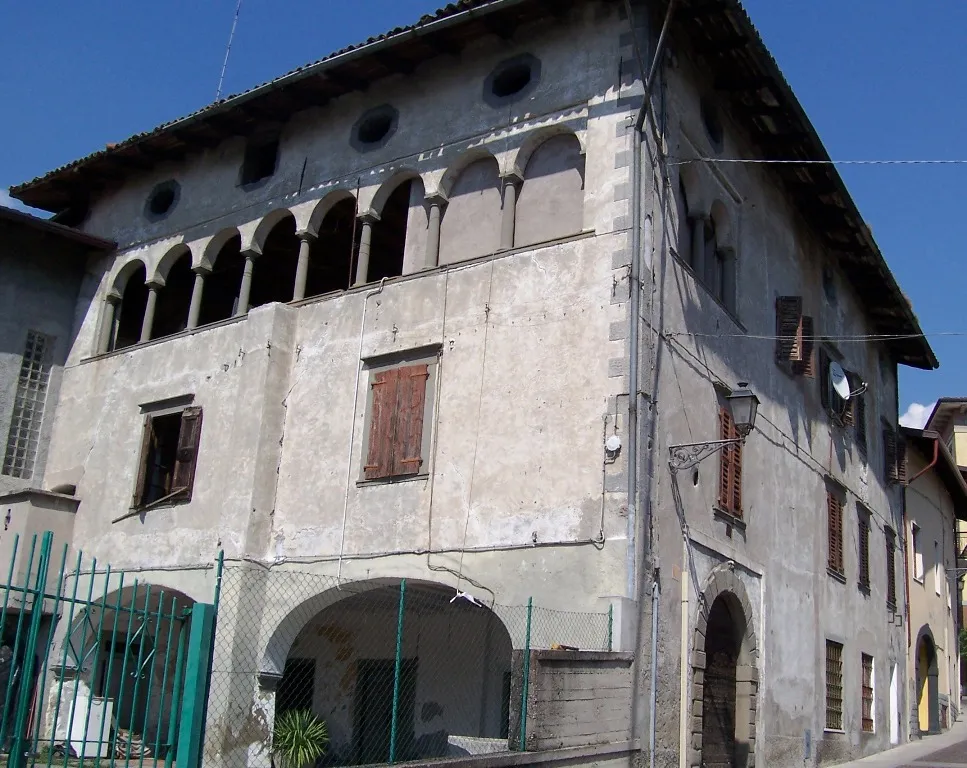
(149,309)
(509,218)
(111,303)
(194,310)
(433,231)
(245,289)
(302,270)
(698,246)
(365,243)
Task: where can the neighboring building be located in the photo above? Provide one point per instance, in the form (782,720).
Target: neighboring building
(434,308)
(936,500)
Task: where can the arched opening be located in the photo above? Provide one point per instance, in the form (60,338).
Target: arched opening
(454,674)
(400,230)
(551,202)
(133,302)
(722,644)
(129,650)
(220,297)
(274,276)
(928,684)
(332,261)
(471,223)
(684,236)
(171,315)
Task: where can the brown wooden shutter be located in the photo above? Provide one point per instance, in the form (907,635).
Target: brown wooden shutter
(901,459)
(789,329)
(185,460)
(890,568)
(382,424)
(859,420)
(736,476)
(834,509)
(410,404)
(147,440)
(889,454)
(864,536)
(806,365)
(725,460)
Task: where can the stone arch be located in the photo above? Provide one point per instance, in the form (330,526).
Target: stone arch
(689,174)
(214,246)
(537,138)
(471,223)
(130,284)
(551,200)
(926,698)
(274,272)
(224,264)
(459,165)
(389,186)
(722,224)
(334,651)
(124,274)
(323,207)
(176,281)
(724,599)
(168,260)
(266,226)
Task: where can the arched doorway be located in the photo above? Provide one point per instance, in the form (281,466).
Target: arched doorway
(928,687)
(452,690)
(725,678)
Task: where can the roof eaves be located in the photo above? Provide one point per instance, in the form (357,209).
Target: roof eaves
(21,218)
(946,467)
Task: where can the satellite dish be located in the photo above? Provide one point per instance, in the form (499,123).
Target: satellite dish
(837,376)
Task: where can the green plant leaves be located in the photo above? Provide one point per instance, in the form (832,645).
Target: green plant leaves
(300,738)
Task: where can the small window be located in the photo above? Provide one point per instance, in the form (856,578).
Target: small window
(890,569)
(916,545)
(834,686)
(23,439)
(512,80)
(730,467)
(397,437)
(374,128)
(169,452)
(713,124)
(162,199)
(834,519)
(938,574)
(795,336)
(867,693)
(829,284)
(894,456)
(863,532)
(261,158)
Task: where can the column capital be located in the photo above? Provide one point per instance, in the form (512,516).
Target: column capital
(155,284)
(251,253)
(368,217)
(512,177)
(437,198)
(113,297)
(306,236)
(202,270)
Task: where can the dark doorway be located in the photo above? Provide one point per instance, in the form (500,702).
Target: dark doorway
(221,286)
(133,303)
(389,235)
(928,686)
(374,710)
(274,275)
(174,300)
(722,644)
(297,686)
(332,263)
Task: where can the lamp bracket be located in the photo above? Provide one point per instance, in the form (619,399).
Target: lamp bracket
(688,455)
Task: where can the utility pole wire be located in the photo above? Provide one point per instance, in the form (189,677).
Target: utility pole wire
(228,50)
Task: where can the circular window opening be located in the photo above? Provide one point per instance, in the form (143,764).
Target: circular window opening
(713,124)
(374,128)
(162,198)
(512,80)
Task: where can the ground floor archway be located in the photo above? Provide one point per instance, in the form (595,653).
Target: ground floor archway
(927,683)
(724,676)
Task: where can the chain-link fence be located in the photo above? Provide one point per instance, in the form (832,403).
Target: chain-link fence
(388,669)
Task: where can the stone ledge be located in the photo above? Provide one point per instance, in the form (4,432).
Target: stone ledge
(545,757)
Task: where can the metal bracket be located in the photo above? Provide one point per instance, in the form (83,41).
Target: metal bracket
(688,455)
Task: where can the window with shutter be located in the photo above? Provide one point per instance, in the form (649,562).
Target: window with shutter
(169,452)
(730,467)
(834,514)
(890,569)
(894,455)
(396,421)
(806,365)
(789,329)
(864,547)
(859,424)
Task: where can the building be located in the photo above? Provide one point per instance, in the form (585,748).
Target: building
(936,501)
(367,324)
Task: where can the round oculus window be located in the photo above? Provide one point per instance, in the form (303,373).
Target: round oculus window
(162,199)
(512,80)
(375,127)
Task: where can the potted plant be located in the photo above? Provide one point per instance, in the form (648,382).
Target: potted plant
(299,739)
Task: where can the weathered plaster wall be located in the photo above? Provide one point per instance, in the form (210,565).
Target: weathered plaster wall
(929,507)
(39,282)
(781,552)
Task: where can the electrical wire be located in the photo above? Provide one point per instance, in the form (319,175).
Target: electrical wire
(848,337)
(766,161)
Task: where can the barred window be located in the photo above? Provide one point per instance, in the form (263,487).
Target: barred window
(834,685)
(28,407)
(867,693)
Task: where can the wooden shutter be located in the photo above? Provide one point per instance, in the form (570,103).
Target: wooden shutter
(901,459)
(189,437)
(864,536)
(834,509)
(410,404)
(890,568)
(147,441)
(725,460)
(806,365)
(382,424)
(859,422)
(789,330)
(736,451)
(895,456)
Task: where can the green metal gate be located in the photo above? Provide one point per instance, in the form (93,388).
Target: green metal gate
(97,667)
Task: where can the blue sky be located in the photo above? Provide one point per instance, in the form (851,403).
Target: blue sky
(878,79)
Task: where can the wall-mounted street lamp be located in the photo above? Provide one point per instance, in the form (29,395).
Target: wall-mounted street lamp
(743,405)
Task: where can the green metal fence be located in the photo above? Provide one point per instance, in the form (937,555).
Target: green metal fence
(96,666)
